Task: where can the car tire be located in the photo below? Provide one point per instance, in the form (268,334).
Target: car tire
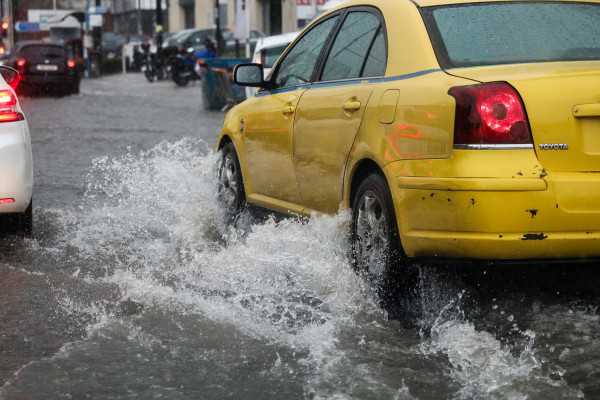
(20,224)
(178,75)
(25,222)
(377,252)
(75,87)
(149,74)
(230,184)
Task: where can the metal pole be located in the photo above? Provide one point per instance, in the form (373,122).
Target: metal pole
(139,17)
(218,28)
(159,32)
(247,28)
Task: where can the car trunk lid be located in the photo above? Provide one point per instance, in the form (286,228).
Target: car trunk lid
(562,102)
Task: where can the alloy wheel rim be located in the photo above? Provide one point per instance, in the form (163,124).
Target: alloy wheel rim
(371,243)
(229,182)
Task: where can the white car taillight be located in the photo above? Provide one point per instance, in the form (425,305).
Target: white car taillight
(9,111)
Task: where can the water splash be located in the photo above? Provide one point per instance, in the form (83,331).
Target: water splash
(161,277)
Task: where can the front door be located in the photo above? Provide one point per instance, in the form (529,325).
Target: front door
(269,125)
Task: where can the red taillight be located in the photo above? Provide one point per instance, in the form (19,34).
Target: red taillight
(8,107)
(70,63)
(489,113)
(7,201)
(21,62)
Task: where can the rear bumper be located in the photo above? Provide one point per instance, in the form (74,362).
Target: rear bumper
(520,215)
(53,80)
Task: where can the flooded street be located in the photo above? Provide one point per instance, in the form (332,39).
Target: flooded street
(134,287)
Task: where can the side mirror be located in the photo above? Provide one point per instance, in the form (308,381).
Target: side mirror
(10,76)
(248,75)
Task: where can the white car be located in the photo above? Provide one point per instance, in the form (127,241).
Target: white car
(267,52)
(16,161)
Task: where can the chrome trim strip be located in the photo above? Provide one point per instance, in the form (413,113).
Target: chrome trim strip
(492,146)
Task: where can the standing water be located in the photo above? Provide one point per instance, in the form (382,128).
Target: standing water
(140,290)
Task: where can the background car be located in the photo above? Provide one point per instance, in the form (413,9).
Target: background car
(230,43)
(268,50)
(16,162)
(452,130)
(112,45)
(44,68)
(182,41)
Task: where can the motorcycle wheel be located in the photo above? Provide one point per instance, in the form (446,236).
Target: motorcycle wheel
(149,74)
(179,76)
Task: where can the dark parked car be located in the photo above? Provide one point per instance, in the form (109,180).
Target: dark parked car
(45,67)
(229,39)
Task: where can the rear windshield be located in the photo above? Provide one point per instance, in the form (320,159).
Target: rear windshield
(507,33)
(50,52)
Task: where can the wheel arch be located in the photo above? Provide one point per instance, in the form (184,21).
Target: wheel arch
(223,141)
(364,168)
(361,171)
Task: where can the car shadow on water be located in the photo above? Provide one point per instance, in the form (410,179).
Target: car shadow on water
(469,289)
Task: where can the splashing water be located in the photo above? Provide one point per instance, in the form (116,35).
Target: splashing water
(185,305)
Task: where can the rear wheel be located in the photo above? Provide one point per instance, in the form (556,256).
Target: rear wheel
(377,251)
(180,76)
(230,185)
(149,72)
(25,221)
(75,87)
(20,224)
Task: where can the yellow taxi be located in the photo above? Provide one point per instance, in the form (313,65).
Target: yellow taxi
(450,129)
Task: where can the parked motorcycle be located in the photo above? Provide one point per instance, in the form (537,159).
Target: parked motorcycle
(153,67)
(186,67)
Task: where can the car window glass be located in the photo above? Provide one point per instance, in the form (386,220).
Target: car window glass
(297,66)
(375,65)
(271,55)
(505,33)
(351,45)
(51,52)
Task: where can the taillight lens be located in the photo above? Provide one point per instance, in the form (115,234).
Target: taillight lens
(489,113)
(8,107)
(70,63)
(21,62)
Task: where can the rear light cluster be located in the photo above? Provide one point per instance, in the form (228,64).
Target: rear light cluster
(489,114)
(70,63)
(8,107)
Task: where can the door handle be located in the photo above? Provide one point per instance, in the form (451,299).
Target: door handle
(352,106)
(288,109)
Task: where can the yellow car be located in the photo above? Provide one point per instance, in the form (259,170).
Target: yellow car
(451,129)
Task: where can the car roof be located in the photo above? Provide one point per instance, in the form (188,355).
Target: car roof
(25,43)
(425,3)
(276,40)
(428,3)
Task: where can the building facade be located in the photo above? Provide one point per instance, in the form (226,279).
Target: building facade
(270,16)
